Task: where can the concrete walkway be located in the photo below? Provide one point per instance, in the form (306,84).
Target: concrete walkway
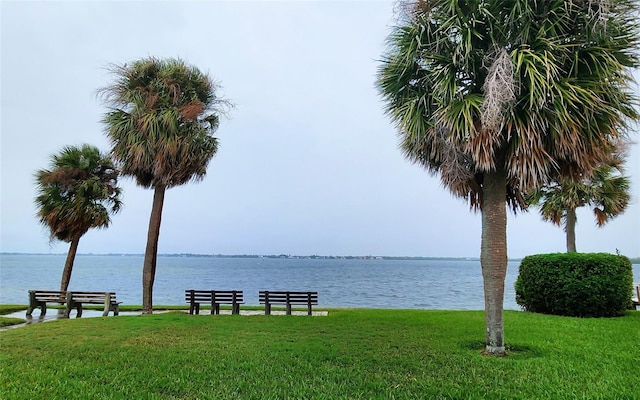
(54,314)
(261,312)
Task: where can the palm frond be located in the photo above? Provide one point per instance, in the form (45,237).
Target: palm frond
(77,193)
(605,189)
(541,89)
(161,109)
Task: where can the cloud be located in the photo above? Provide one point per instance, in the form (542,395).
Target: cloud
(308,163)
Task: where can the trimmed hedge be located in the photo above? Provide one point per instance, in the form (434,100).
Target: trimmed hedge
(575,284)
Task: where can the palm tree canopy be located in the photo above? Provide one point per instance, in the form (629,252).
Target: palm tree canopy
(536,88)
(607,190)
(163,115)
(77,193)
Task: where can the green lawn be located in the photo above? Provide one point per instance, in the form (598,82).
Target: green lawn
(351,354)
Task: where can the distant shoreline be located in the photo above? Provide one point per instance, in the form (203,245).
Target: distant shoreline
(283,256)
(634,260)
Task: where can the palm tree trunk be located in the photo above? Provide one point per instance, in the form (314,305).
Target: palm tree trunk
(570,229)
(151,252)
(493,258)
(68,264)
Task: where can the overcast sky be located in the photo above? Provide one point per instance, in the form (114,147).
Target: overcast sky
(307,164)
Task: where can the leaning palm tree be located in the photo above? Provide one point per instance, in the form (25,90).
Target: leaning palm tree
(163,114)
(77,193)
(500,97)
(606,189)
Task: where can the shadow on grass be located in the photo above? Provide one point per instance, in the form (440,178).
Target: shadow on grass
(516,351)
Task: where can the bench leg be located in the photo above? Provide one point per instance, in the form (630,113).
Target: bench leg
(33,303)
(69,304)
(215,309)
(107,305)
(69,307)
(288,308)
(67,311)
(112,307)
(235,309)
(267,309)
(41,306)
(309,309)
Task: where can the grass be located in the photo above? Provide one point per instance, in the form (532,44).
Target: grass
(351,354)
(11,308)
(6,321)
(8,309)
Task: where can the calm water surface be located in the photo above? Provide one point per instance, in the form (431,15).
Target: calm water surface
(424,284)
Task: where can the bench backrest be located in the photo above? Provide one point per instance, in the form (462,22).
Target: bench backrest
(92,297)
(48,295)
(215,296)
(288,297)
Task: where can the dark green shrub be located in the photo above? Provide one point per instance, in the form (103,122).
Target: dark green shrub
(575,284)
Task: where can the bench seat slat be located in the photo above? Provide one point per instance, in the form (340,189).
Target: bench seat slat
(51,298)
(82,296)
(283,296)
(49,292)
(208,298)
(90,293)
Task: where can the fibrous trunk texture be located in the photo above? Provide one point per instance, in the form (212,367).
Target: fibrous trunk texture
(68,264)
(570,228)
(493,258)
(151,252)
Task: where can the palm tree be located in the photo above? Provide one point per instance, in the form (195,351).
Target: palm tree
(499,97)
(79,192)
(606,190)
(163,114)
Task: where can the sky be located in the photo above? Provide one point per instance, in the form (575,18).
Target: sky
(308,163)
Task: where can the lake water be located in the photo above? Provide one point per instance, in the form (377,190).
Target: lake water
(421,284)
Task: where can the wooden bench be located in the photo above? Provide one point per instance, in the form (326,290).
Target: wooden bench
(215,298)
(268,298)
(40,298)
(71,300)
(77,299)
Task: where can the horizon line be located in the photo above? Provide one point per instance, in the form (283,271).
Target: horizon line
(285,256)
(242,255)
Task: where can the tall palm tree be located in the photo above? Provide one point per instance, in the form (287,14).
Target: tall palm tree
(163,114)
(607,190)
(77,193)
(499,97)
